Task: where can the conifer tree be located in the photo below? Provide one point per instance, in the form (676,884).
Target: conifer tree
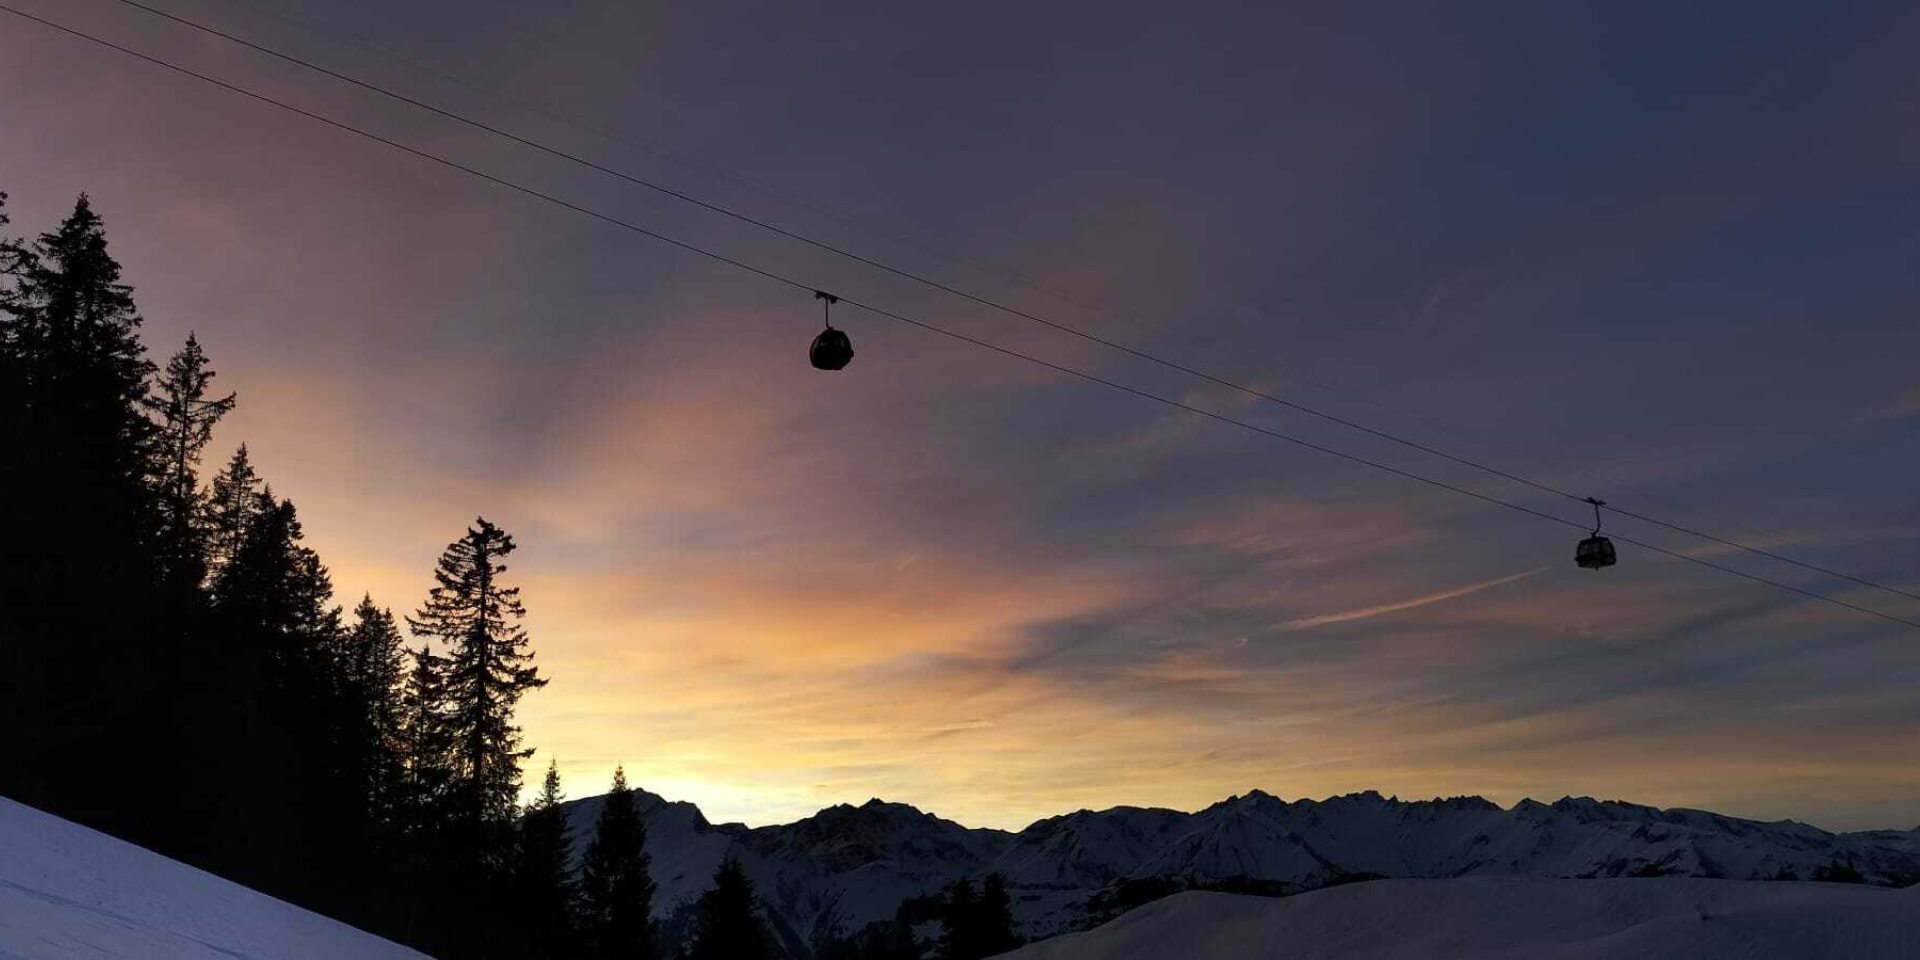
(616,886)
(959,924)
(281,634)
(418,820)
(977,925)
(233,500)
(74,325)
(186,417)
(425,749)
(468,845)
(545,891)
(994,918)
(82,677)
(13,263)
(278,593)
(363,792)
(489,667)
(316,617)
(375,669)
(727,924)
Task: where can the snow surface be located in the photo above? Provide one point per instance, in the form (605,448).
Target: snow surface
(70,892)
(1485,918)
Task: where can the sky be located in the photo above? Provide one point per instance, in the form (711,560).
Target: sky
(1657,253)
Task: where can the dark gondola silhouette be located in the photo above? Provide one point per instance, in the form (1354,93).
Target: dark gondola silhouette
(1595,551)
(832,349)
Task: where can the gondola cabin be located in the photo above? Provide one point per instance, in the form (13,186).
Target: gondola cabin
(831,350)
(1594,552)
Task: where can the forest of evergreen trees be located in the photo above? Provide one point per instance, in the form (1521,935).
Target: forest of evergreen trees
(177,672)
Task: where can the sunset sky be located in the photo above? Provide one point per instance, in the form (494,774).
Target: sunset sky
(1658,255)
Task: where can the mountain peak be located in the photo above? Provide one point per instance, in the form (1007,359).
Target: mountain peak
(1364,796)
(1466,802)
(876,807)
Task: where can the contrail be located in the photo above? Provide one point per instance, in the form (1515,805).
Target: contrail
(1408,604)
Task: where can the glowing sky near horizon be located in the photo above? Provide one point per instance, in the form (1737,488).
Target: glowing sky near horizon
(1662,256)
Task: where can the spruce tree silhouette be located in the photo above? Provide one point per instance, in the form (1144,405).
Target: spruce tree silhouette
(616,884)
(488,667)
(977,925)
(995,918)
(231,504)
(544,887)
(960,923)
(727,925)
(477,616)
(374,672)
(419,820)
(186,418)
(368,676)
(277,591)
(274,604)
(426,747)
(83,670)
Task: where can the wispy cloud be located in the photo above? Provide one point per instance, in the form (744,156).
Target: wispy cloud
(1905,404)
(1362,613)
(1000,593)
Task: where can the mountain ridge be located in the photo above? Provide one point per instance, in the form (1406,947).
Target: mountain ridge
(847,866)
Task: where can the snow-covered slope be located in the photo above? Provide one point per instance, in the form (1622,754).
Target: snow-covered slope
(1260,840)
(70,892)
(1514,919)
(854,865)
(1087,849)
(1310,842)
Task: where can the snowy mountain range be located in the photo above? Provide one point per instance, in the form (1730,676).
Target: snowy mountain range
(849,866)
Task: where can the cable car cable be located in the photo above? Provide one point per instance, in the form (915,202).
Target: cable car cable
(990,303)
(922,324)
